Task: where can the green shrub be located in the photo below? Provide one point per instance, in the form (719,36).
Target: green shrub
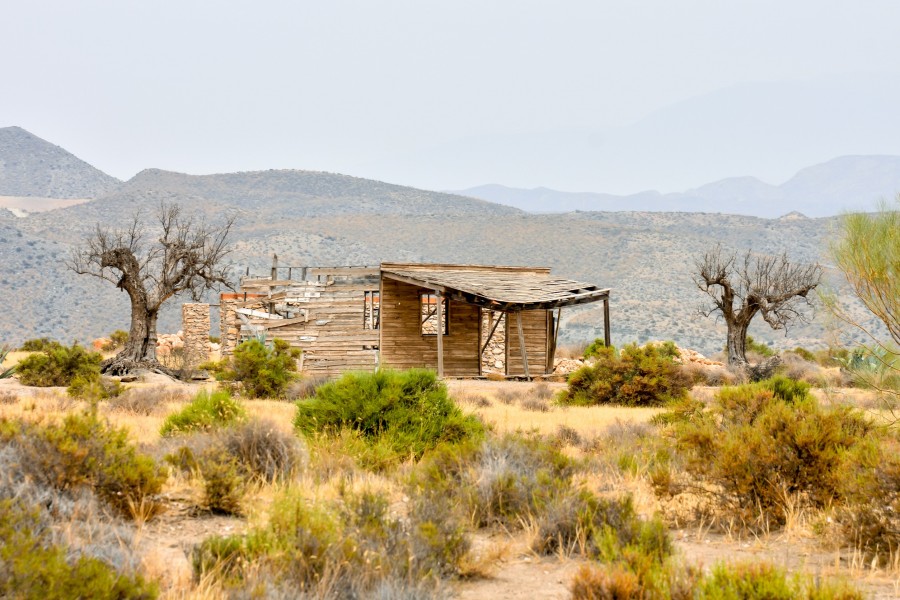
(117,339)
(263,372)
(402,414)
(57,365)
(597,349)
(31,566)
(749,581)
(761,581)
(223,481)
(638,376)
(762,445)
(805,354)
(100,388)
(39,345)
(86,451)
(206,411)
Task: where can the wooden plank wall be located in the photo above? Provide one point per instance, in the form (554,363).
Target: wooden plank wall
(331,333)
(402,344)
(534,325)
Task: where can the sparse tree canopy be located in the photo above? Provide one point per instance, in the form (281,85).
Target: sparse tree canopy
(867,251)
(741,287)
(186,258)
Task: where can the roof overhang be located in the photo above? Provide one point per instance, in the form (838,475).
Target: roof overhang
(498,288)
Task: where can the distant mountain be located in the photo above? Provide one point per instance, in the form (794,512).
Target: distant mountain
(827,189)
(33,167)
(770,129)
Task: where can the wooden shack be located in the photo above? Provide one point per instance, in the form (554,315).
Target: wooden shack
(405,315)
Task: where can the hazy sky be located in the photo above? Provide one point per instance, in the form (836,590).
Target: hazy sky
(204,87)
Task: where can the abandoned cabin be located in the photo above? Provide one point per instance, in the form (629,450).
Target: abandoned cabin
(459,320)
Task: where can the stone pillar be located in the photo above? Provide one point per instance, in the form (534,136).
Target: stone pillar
(195,324)
(229,327)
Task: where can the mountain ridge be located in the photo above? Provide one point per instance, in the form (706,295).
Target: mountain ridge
(845,183)
(33,167)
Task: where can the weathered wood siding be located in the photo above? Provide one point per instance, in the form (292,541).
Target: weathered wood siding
(535,324)
(402,344)
(330,327)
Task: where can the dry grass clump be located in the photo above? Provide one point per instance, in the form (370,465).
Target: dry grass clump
(147,401)
(534,403)
(305,387)
(229,459)
(506,396)
(476,400)
(8,397)
(352,547)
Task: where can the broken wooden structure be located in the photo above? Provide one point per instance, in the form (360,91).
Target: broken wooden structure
(405,315)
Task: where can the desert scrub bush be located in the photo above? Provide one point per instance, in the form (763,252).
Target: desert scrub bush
(596,349)
(94,388)
(400,414)
(760,446)
(38,344)
(57,365)
(349,548)
(263,372)
(85,451)
(206,411)
(762,581)
(744,581)
(636,376)
(263,451)
(32,566)
(870,519)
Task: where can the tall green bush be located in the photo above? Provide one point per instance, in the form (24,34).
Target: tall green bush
(58,365)
(405,413)
(636,376)
(263,372)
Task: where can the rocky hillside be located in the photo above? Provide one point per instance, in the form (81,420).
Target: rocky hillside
(312,218)
(30,166)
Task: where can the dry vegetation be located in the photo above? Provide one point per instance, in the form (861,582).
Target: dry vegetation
(551,500)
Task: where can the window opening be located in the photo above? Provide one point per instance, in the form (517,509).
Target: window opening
(428,313)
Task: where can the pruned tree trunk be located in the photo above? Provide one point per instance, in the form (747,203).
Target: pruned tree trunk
(140,349)
(736,346)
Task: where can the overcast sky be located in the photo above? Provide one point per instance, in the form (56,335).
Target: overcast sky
(354,87)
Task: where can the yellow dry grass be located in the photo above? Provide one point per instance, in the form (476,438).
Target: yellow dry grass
(510,415)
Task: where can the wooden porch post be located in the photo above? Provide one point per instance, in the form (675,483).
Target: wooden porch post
(440,334)
(607,339)
(522,344)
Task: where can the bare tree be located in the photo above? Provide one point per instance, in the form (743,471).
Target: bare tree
(741,287)
(186,258)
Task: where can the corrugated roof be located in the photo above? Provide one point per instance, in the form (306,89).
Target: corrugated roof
(517,288)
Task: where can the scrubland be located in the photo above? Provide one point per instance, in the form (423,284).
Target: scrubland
(397,485)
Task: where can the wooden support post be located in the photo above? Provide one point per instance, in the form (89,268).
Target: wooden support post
(440,334)
(522,344)
(274,267)
(607,338)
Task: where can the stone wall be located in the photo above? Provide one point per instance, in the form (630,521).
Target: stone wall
(230,326)
(195,324)
(494,358)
